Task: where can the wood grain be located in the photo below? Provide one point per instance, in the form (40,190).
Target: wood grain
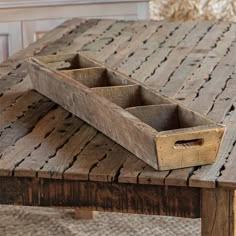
(24,125)
(47,148)
(176,57)
(92,154)
(23,147)
(66,155)
(126,198)
(160,54)
(217,212)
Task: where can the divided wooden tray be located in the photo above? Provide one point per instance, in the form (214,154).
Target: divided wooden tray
(158,130)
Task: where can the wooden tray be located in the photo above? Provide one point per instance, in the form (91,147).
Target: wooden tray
(158,130)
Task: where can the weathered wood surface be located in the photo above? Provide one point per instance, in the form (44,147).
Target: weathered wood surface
(193,62)
(218,212)
(89,195)
(84,214)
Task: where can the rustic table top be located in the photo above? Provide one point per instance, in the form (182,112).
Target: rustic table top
(193,62)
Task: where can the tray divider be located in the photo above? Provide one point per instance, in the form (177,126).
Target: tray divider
(123,96)
(90,77)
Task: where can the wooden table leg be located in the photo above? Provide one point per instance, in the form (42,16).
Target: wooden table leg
(217,212)
(84,214)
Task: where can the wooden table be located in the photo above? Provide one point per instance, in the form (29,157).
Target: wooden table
(50,158)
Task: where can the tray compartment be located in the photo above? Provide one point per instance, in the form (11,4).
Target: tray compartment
(127,96)
(159,117)
(95,77)
(183,136)
(168,117)
(67,62)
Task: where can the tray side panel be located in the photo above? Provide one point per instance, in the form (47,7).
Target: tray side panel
(193,147)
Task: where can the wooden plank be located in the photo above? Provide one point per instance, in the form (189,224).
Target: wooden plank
(127,49)
(106,38)
(226,176)
(180,34)
(23,125)
(178,177)
(152,177)
(224,103)
(214,87)
(217,212)
(106,170)
(65,156)
(94,152)
(153,62)
(160,55)
(148,47)
(14,155)
(18,109)
(159,38)
(131,169)
(177,56)
(45,149)
(126,198)
(15,76)
(88,36)
(206,176)
(129,32)
(193,60)
(4,70)
(202,74)
(131,64)
(68,37)
(173,177)
(13,93)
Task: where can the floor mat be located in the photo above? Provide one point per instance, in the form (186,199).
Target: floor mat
(38,221)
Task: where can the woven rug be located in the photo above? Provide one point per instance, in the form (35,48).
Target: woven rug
(38,221)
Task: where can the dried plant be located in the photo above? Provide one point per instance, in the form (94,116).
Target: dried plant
(193,9)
